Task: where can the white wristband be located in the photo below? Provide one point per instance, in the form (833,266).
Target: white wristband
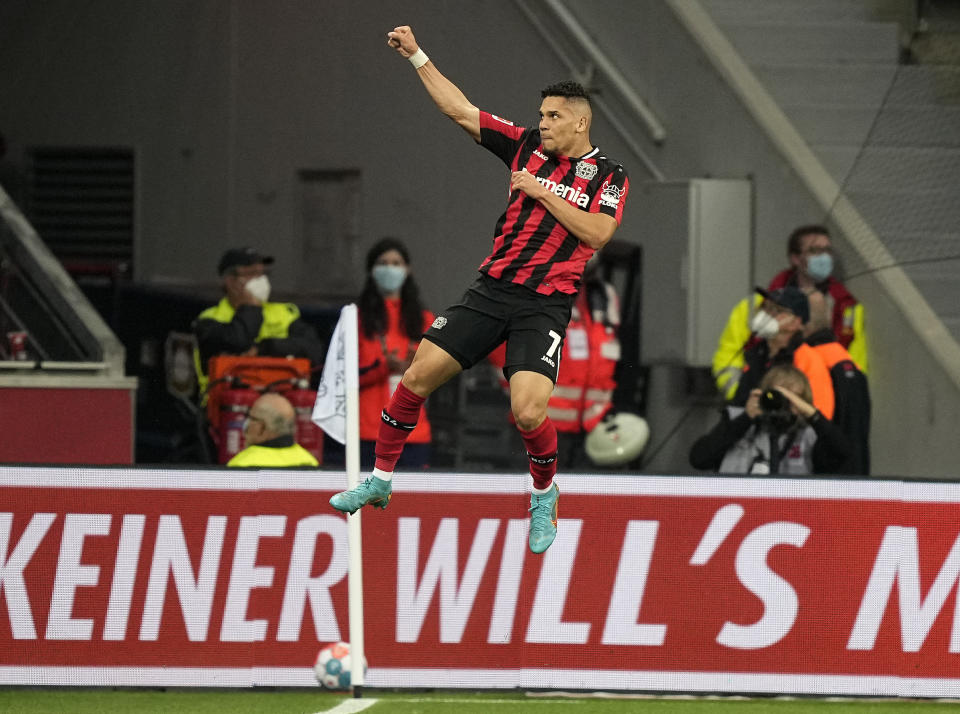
(418,59)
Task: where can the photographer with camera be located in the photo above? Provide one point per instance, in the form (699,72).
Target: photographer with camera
(777,431)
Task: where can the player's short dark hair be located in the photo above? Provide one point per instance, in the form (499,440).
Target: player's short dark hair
(567,89)
(795,241)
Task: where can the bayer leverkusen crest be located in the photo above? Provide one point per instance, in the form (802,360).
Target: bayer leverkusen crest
(586,170)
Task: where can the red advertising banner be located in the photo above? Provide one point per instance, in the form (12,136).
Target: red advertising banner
(215,578)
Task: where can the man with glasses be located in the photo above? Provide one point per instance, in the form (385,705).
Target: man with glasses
(810,252)
(245,322)
(269,435)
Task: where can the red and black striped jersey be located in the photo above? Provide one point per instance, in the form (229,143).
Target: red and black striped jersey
(530,246)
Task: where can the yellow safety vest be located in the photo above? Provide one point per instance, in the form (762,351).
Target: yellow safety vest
(277,318)
(273,457)
(727,365)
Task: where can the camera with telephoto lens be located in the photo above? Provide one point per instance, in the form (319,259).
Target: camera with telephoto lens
(772,401)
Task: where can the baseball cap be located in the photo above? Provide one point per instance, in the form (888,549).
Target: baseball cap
(790,298)
(241,256)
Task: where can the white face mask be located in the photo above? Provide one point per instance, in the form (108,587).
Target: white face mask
(259,287)
(389,278)
(764,325)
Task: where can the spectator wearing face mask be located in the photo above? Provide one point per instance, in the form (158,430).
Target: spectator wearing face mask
(810,252)
(779,327)
(777,431)
(245,322)
(392,319)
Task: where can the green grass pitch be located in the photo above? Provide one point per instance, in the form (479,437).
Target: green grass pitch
(105,701)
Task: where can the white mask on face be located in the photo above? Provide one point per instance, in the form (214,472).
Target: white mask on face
(764,325)
(389,278)
(259,287)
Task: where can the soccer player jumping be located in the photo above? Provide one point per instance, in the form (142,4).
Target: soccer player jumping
(566,201)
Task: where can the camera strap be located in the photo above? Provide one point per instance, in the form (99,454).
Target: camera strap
(789,436)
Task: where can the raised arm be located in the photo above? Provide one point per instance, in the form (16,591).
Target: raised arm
(445,94)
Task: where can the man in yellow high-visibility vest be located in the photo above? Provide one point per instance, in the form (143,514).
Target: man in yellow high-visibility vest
(244,322)
(269,434)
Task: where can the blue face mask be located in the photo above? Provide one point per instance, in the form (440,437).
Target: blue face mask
(820,266)
(389,278)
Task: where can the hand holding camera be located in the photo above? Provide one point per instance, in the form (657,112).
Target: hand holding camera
(777,401)
(780,401)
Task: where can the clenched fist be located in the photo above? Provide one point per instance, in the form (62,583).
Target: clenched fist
(526,182)
(403,41)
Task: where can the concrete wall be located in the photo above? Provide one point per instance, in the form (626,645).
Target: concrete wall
(226,100)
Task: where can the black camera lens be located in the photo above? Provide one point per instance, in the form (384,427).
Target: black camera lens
(773,401)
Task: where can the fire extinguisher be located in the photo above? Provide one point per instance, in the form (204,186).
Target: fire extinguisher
(235,403)
(309,435)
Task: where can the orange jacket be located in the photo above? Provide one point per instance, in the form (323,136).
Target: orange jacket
(584,390)
(831,353)
(852,395)
(809,361)
(376,382)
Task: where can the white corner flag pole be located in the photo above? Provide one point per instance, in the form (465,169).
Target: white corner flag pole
(337,412)
(355,573)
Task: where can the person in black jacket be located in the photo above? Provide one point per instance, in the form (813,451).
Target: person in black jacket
(777,431)
(245,322)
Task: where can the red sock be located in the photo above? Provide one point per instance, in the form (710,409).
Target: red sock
(398,419)
(541,446)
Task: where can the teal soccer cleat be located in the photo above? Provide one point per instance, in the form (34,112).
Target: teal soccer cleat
(374,491)
(543,519)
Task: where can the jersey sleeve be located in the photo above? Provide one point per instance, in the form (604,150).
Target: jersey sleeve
(613,194)
(500,136)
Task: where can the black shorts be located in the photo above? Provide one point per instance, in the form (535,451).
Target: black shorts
(493,311)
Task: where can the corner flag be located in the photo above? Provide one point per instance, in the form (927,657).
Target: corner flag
(340,373)
(337,412)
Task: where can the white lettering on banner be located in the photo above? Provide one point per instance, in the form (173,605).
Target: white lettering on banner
(780,603)
(508,582)
(61,625)
(456,602)
(570,194)
(899,560)
(635,556)
(196,593)
(545,624)
(196,596)
(639,577)
(124,575)
(300,586)
(11,572)
(245,576)
(722,524)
